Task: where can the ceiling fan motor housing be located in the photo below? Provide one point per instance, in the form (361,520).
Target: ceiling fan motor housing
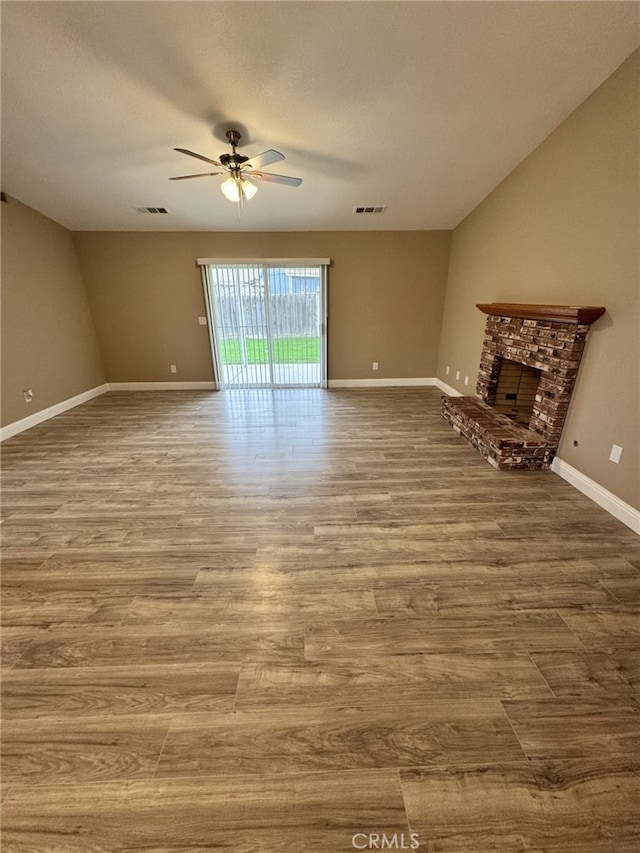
(233,161)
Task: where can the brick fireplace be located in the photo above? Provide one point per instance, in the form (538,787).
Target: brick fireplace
(528,367)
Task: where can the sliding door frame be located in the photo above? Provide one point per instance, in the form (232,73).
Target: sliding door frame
(210,311)
(210,306)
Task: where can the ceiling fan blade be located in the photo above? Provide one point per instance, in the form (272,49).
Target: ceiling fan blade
(201,175)
(199,156)
(276,179)
(264,159)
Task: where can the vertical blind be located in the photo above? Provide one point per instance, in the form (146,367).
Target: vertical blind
(267,321)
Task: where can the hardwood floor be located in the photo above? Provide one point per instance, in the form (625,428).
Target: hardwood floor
(309,622)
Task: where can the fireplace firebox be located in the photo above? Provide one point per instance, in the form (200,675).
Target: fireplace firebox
(528,367)
(515,391)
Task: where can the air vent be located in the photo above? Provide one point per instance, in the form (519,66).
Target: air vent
(152,210)
(374,209)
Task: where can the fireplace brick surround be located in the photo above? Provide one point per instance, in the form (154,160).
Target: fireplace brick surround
(548,338)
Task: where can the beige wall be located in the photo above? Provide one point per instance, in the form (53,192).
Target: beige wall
(48,339)
(564,228)
(386,291)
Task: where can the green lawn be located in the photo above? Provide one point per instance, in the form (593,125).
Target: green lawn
(285,351)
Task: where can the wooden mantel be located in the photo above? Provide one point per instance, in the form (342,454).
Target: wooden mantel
(581,315)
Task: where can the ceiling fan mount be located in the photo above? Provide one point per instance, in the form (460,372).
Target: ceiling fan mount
(234,137)
(239,168)
(234,160)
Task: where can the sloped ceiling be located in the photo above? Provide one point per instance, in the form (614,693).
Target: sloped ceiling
(420,106)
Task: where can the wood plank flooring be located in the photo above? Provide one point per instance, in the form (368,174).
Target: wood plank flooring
(308,622)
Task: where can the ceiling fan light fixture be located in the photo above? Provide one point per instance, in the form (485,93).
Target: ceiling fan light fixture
(231,189)
(248,189)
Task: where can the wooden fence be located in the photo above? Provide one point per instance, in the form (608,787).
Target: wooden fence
(293,315)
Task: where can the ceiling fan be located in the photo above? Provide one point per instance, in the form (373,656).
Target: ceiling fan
(240,169)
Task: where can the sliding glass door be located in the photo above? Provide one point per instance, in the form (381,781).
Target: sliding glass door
(267,322)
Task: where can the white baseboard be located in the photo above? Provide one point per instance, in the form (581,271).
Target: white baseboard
(50,412)
(447,389)
(624,512)
(381,383)
(57,409)
(163,386)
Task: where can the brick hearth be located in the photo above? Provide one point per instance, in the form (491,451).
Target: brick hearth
(548,338)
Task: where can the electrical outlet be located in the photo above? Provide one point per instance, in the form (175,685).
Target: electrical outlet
(616,453)
(457,374)
(447,369)
(375,365)
(173,368)
(27,393)
(202,321)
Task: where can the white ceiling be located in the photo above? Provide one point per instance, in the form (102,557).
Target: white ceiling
(421,106)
